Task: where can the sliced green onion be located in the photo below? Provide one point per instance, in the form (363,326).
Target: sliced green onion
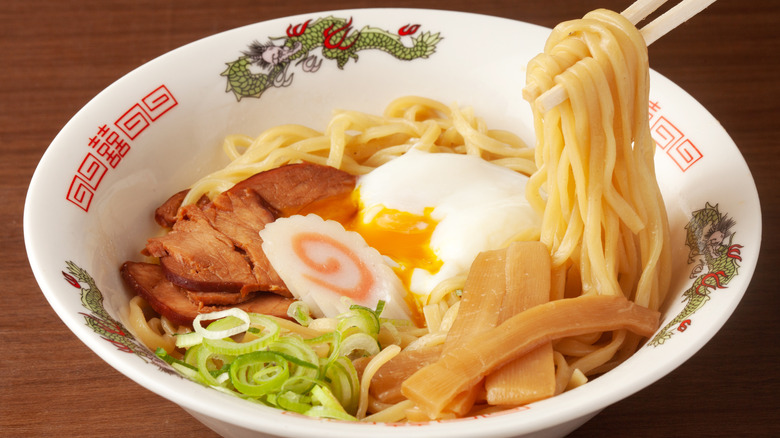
(293,401)
(295,360)
(299,353)
(299,311)
(222,377)
(222,371)
(299,384)
(344,384)
(380,306)
(162,354)
(259,373)
(260,324)
(332,338)
(358,319)
(191,356)
(282,370)
(328,406)
(186,340)
(359,342)
(231,347)
(222,328)
(187,371)
(264,337)
(207,362)
(258,320)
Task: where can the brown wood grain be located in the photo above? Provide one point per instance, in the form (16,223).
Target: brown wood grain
(56,55)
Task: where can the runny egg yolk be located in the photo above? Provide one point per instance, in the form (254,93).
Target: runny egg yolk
(403,237)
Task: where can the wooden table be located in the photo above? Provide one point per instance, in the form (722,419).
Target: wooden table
(56,55)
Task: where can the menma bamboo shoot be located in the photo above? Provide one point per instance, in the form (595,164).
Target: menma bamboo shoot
(531,377)
(434,386)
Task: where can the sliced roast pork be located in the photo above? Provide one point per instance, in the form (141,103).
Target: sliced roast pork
(195,256)
(168,213)
(216,247)
(293,188)
(241,215)
(165,215)
(219,298)
(149,282)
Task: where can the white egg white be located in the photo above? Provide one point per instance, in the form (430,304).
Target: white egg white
(479,206)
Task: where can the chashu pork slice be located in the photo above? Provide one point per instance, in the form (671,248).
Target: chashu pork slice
(241,215)
(196,256)
(295,188)
(216,247)
(149,282)
(168,213)
(287,190)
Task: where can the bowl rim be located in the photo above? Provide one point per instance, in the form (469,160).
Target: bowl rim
(498,425)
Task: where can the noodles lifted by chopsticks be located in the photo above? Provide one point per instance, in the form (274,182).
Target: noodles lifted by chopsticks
(604,220)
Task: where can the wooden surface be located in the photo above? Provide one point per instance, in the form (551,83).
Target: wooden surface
(56,55)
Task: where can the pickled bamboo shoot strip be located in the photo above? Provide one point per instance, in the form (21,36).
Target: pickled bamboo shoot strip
(436,385)
(532,376)
(479,311)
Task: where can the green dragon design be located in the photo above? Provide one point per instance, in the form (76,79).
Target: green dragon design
(337,41)
(716,258)
(102,323)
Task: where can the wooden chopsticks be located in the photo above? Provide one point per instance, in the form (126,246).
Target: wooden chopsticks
(651,32)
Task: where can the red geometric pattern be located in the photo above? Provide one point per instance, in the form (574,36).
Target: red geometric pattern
(109,146)
(142,114)
(92,170)
(133,122)
(665,133)
(158,102)
(684,154)
(80,193)
(672,140)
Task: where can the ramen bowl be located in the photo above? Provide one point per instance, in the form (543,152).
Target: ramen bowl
(158,129)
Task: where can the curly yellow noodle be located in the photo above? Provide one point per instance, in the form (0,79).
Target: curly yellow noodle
(478,139)
(601,355)
(445,288)
(573,347)
(373,366)
(416,108)
(563,372)
(149,331)
(232,143)
(389,414)
(598,189)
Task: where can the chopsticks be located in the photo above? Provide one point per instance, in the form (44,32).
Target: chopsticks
(651,32)
(670,19)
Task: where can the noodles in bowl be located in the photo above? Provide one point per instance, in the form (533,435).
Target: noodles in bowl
(599,221)
(456,240)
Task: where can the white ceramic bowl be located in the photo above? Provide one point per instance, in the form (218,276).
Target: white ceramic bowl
(160,127)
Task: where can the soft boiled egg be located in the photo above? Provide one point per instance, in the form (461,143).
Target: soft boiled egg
(432,213)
